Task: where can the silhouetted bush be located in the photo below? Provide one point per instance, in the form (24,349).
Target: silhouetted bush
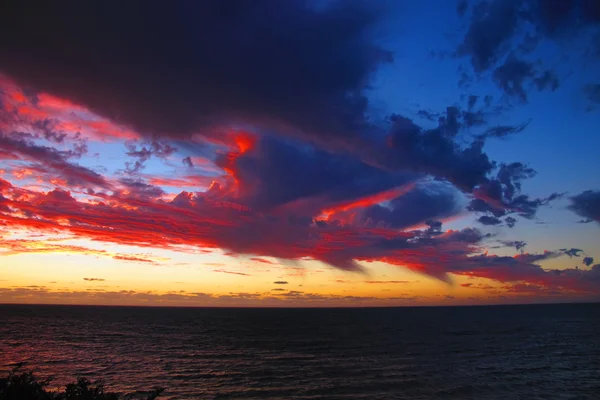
(24,386)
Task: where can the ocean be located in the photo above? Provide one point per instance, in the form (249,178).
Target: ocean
(491,352)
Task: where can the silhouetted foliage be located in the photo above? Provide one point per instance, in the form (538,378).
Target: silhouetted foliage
(24,386)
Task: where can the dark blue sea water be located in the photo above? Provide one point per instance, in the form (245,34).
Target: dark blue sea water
(500,352)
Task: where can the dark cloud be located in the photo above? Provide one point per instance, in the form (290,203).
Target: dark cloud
(586,205)
(590,10)
(138,188)
(489,220)
(277,172)
(499,27)
(291,82)
(472,100)
(450,122)
(421,205)
(511,76)
(492,25)
(280,282)
(502,194)
(551,16)
(273,171)
(572,252)
(479,205)
(547,80)
(514,74)
(40,127)
(527,207)
(435,227)
(173,70)
(45,159)
(588,261)
(428,115)
(510,177)
(456,119)
(436,153)
(93,279)
(495,23)
(187,161)
(146,150)
(502,131)
(48,130)
(517,244)
(327,104)
(556,18)
(510,222)
(473,118)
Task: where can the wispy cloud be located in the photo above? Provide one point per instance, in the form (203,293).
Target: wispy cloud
(231,272)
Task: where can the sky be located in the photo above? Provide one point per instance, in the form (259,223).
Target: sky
(300,153)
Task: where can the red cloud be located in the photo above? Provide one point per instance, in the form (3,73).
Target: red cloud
(197,181)
(47,159)
(137,212)
(198,220)
(261,260)
(370,200)
(55,118)
(19,246)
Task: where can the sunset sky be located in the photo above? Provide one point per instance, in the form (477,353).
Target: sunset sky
(300,153)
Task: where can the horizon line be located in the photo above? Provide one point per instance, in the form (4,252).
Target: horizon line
(302,307)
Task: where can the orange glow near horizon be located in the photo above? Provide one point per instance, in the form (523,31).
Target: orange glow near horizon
(130,280)
(84,219)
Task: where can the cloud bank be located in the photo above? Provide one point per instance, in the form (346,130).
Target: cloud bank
(261,110)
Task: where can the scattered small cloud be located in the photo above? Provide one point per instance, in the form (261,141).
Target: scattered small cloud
(262,260)
(231,272)
(124,257)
